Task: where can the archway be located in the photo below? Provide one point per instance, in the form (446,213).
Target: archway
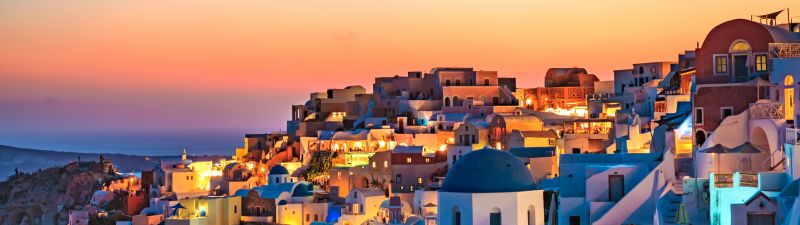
(531,215)
(788,97)
(699,137)
(759,139)
(446,101)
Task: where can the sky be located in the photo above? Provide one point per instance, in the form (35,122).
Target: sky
(131,66)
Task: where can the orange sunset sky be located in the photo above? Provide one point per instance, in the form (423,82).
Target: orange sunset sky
(175,65)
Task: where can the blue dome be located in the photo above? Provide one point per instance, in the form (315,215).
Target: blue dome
(487,171)
(302,190)
(278,170)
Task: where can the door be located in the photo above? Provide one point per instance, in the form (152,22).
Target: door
(760,219)
(740,68)
(616,187)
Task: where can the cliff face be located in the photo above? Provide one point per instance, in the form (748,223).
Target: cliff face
(46,196)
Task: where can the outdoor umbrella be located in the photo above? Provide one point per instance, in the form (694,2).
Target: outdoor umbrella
(749,149)
(717,149)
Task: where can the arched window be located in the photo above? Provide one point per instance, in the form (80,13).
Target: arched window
(446,101)
(495,218)
(641,70)
(456,102)
(277,180)
(740,46)
(456,216)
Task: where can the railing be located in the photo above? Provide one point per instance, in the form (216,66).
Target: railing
(748,180)
(723,180)
(766,111)
(792,135)
(784,50)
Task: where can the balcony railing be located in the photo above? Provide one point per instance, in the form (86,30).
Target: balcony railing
(723,180)
(792,136)
(784,50)
(766,111)
(748,180)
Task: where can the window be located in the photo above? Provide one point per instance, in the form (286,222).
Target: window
(761,63)
(458,82)
(234,209)
(721,64)
(427,160)
(698,116)
(385,164)
(495,218)
(725,112)
(408,159)
(398,178)
(308,217)
(486,81)
(456,217)
(641,70)
(419,180)
(373,165)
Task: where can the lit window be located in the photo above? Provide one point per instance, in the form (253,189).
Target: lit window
(385,164)
(427,160)
(373,165)
(761,63)
(721,64)
(339,175)
(740,46)
(419,180)
(408,160)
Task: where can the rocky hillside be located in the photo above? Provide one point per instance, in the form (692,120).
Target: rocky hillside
(46,196)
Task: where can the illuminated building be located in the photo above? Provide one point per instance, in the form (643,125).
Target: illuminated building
(587,135)
(207,210)
(564,88)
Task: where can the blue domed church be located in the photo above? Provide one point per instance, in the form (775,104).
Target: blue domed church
(490,186)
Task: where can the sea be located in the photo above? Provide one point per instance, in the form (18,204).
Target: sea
(146,143)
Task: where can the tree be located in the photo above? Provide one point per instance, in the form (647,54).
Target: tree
(320,164)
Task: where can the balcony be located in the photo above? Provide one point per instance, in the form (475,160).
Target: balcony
(766,111)
(793,136)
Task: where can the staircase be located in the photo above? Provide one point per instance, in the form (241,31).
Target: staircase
(653,186)
(668,208)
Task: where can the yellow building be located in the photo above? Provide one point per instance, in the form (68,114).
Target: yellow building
(208,211)
(525,139)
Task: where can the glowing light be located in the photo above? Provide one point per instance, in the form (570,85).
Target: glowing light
(359,144)
(451,141)
(382,144)
(442,147)
(528,101)
(498,145)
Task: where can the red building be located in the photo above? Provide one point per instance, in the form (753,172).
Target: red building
(732,57)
